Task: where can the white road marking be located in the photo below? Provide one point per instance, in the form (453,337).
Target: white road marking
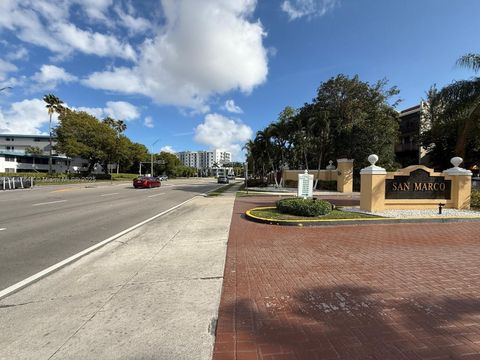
(1,229)
(109,194)
(50,202)
(150,196)
(30,280)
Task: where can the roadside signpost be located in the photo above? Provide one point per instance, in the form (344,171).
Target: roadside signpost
(305,185)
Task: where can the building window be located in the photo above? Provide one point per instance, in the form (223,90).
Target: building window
(9,170)
(11,148)
(10,158)
(9,139)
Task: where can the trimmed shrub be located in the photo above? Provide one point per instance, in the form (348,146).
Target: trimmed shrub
(304,207)
(327,185)
(256,183)
(475,199)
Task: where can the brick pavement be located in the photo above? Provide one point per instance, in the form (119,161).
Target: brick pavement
(349,292)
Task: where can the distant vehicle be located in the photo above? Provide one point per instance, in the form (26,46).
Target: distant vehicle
(231,176)
(223,180)
(163,177)
(146,182)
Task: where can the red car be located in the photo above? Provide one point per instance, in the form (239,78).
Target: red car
(146,182)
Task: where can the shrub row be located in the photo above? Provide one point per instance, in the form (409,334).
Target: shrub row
(475,199)
(304,207)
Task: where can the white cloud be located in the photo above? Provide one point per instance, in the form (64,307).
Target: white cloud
(50,75)
(148,122)
(297,9)
(6,68)
(220,132)
(120,110)
(177,68)
(47,24)
(93,43)
(135,25)
(231,107)
(18,54)
(25,117)
(169,149)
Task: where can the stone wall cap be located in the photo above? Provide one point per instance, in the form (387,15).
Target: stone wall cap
(344,160)
(374,170)
(457,171)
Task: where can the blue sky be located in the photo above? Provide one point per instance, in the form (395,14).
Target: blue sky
(208,74)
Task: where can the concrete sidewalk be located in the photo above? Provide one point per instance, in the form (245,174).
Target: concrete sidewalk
(151,294)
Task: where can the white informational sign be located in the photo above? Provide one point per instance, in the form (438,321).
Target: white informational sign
(305,185)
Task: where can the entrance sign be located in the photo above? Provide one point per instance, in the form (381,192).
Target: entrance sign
(418,185)
(414,187)
(305,185)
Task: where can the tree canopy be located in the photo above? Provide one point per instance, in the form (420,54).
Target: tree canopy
(348,118)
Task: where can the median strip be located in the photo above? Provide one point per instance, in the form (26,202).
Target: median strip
(50,202)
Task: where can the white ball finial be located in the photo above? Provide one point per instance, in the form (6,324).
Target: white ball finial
(456,161)
(372,159)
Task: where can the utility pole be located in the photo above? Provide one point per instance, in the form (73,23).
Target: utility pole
(151,157)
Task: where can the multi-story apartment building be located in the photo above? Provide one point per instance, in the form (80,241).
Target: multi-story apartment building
(205,161)
(409,150)
(14,157)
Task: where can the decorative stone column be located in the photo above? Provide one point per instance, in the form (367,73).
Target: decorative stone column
(344,175)
(461,184)
(372,186)
(331,171)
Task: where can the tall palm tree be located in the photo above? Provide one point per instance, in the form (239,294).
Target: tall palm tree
(54,105)
(470,61)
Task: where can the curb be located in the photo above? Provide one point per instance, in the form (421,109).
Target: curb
(50,270)
(365,221)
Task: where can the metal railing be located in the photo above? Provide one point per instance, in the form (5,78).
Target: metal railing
(15,182)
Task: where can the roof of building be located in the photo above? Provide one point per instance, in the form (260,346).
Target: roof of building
(21,153)
(27,136)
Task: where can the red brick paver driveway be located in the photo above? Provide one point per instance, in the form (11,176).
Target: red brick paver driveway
(404,291)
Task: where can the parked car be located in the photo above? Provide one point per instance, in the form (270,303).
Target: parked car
(223,180)
(146,182)
(163,177)
(231,176)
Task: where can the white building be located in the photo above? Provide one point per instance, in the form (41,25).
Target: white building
(205,161)
(13,157)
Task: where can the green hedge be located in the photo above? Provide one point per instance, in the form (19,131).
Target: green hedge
(327,185)
(475,199)
(304,207)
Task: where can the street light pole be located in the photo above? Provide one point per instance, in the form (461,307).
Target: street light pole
(151,157)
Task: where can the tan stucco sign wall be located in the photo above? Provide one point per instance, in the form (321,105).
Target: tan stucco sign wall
(415,187)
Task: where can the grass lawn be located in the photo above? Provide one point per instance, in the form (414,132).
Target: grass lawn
(273,213)
(221,190)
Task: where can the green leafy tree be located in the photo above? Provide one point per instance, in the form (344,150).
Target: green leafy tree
(33,150)
(81,134)
(453,114)
(54,105)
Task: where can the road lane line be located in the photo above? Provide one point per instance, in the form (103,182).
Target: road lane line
(150,196)
(1,229)
(36,277)
(65,190)
(109,194)
(50,202)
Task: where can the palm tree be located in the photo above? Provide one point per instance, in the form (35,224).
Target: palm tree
(54,104)
(470,61)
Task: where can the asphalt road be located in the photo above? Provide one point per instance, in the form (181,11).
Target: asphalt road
(42,226)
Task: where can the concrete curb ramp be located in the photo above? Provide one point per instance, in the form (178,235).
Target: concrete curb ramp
(365,221)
